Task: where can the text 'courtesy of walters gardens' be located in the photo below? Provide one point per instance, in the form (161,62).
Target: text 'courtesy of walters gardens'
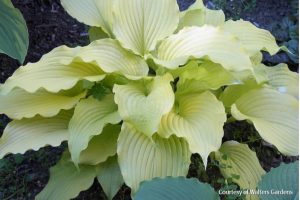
(256,192)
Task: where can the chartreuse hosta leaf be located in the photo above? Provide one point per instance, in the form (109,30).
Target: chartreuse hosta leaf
(274,115)
(257,58)
(205,42)
(234,92)
(140,24)
(283,80)
(143,103)
(66,181)
(54,72)
(198,118)
(175,188)
(281,183)
(101,146)
(142,158)
(260,74)
(205,76)
(34,133)
(240,164)
(112,58)
(91,12)
(198,15)
(278,77)
(253,39)
(110,177)
(90,117)
(63,67)
(14,34)
(20,104)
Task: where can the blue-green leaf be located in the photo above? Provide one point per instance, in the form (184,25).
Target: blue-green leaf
(13,32)
(175,188)
(281,179)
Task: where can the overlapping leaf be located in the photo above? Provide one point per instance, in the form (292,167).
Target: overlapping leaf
(71,180)
(234,92)
(143,103)
(274,115)
(253,39)
(54,72)
(96,33)
(20,104)
(101,146)
(91,12)
(175,188)
(283,80)
(111,57)
(110,177)
(63,67)
(140,24)
(240,164)
(206,76)
(13,32)
(283,178)
(198,15)
(206,42)
(34,133)
(141,158)
(90,117)
(199,118)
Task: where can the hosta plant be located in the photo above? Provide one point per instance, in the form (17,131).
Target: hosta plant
(154,86)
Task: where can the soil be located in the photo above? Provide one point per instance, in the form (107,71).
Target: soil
(50,26)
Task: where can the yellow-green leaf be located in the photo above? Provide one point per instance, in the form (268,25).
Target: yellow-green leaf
(90,117)
(34,133)
(206,76)
(257,58)
(110,177)
(260,73)
(240,164)
(97,13)
(253,39)
(63,67)
(199,15)
(20,104)
(55,71)
(233,92)
(66,181)
(198,118)
(140,24)
(142,158)
(274,115)
(283,80)
(143,103)
(101,146)
(206,42)
(112,58)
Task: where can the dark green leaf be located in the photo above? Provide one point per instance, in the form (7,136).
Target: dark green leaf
(96,33)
